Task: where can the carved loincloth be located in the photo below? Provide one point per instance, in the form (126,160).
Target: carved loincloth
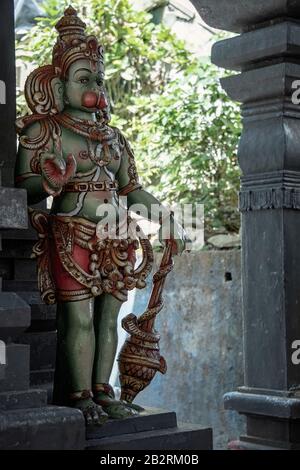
(75,264)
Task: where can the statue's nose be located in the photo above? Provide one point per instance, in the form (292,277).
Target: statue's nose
(102,101)
(91,99)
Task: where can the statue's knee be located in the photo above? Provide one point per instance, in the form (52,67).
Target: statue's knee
(78,318)
(112,326)
(84,324)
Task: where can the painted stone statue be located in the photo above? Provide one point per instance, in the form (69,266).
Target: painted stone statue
(68,150)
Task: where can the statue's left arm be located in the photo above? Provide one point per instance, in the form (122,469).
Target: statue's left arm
(130,187)
(42,171)
(27,170)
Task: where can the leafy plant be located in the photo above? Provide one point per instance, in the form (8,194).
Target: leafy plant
(140,57)
(187,142)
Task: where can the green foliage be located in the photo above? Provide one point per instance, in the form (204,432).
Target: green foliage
(183,128)
(140,57)
(187,142)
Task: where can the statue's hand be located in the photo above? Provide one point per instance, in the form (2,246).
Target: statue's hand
(56,171)
(176,233)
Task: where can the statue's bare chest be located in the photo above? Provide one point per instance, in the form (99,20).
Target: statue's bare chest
(90,154)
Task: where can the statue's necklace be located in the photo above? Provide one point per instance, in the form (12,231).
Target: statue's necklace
(101,156)
(89,129)
(93,131)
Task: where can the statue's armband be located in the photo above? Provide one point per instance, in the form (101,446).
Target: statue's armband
(127,175)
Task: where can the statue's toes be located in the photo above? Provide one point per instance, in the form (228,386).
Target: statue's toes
(132,411)
(95,416)
(133,406)
(88,418)
(102,417)
(126,412)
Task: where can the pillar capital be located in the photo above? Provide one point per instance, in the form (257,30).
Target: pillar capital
(242,15)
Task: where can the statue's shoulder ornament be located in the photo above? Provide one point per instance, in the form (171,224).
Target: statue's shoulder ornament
(37,131)
(43,93)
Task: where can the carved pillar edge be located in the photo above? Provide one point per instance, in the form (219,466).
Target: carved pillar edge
(276,42)
(273,190)
(244,15)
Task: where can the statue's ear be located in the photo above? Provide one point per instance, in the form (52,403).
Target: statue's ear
(44,91)
(58,86)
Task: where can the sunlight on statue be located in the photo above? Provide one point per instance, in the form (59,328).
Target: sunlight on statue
(68,150)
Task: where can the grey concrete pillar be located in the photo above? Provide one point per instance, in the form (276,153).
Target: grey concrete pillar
(266,54)
(16,267)
(25,420)
(7,92)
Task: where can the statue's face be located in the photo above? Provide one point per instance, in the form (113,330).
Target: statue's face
(84,88)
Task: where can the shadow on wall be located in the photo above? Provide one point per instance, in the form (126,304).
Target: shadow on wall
(201,339)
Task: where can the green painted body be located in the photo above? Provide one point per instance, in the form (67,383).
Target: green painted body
(87,329)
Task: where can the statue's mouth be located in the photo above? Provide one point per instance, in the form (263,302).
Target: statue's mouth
(91,99)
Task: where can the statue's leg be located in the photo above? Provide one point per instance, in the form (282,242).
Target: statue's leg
(107,309)
(75,355)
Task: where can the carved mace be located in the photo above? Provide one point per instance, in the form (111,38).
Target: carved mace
(140,358)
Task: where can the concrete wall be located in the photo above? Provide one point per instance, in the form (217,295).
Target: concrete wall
(201,339)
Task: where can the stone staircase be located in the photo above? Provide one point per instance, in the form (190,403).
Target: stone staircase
(153,429)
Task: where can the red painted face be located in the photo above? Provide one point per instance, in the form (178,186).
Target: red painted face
(91,99)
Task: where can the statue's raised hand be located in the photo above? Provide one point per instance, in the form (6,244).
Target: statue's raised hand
(56,171)
(172,230)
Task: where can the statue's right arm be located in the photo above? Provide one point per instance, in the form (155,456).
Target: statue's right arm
(25,175)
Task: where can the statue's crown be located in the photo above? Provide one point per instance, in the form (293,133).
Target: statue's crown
(71,28)
(73,43)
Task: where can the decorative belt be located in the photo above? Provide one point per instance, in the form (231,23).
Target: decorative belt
(91,186)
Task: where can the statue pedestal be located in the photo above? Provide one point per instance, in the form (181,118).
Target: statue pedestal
(153,429)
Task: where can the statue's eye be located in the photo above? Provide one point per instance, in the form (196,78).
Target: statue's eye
(84,80)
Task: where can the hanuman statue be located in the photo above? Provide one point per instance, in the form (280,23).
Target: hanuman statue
(68,150)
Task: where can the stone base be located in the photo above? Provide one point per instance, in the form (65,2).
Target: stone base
(16,371)
(152,429)
(48,428)
(247,443)
(32,398)
(273,420)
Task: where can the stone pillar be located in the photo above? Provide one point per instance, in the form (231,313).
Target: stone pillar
(266,54)
(16,267)
(25,420)
(7,94)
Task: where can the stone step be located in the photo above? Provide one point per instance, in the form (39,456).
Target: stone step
(148,420)
(19,286)
(13,250)
(47,428)
(16,371)
(43,317)
(40,377)
(14,315)
(32,398)
(48,388)
(25,268)
(13,208)
(42,348)
(183,437)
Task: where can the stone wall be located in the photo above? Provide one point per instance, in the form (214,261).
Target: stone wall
(201,339)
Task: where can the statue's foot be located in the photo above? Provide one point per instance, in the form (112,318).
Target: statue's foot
(135,407)
(116,409)
(93,413)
